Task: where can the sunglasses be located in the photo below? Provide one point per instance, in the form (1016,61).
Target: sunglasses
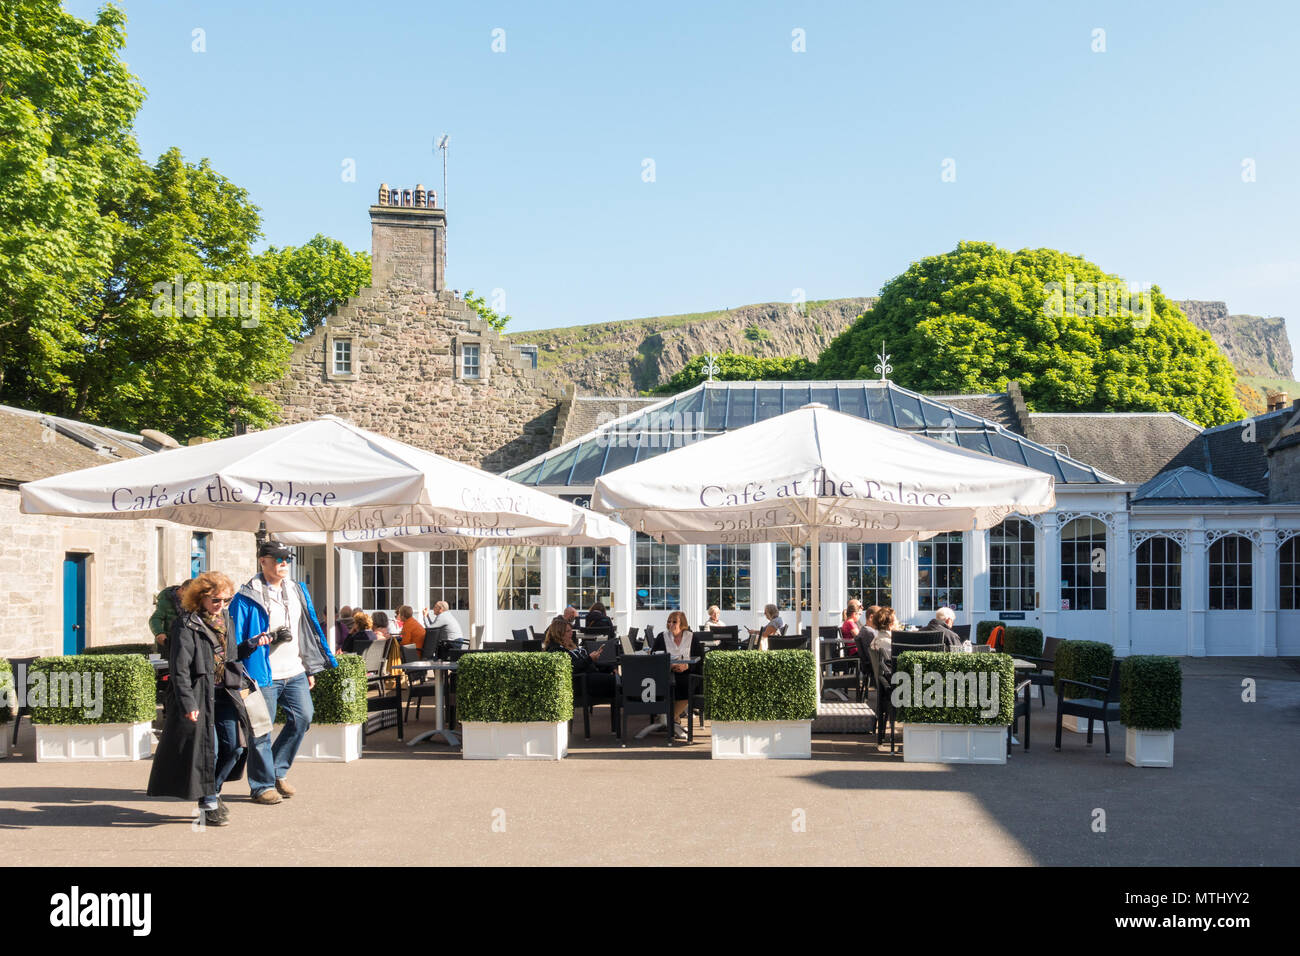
(220,600)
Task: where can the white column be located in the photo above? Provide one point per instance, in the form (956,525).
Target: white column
(1049,573)
(1265,597)
(977,580)
(905,582)
(1119,578)
(482,593)
(691,571)
(553,598)
(349,569)
(622,580)
(835,592)
(1196,592)
(416,575)
(762,574)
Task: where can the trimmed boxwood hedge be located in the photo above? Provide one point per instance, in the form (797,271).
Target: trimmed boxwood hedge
(1151,693)
(8,695)
(1023,640)
(128,688)
(983,629)
(761,685)
(145,649)
(1081,660)
(515,687)
(935,662)
(339,696)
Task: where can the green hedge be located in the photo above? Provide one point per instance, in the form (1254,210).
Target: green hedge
(128,689)
(515,686)
(8,694)
(339,696)
(761,685)
(933,662)
(1151,693)
(983,629)
(1081,660)
(1023,640)
(145,649)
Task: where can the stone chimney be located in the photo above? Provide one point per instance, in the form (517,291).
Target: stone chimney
(408,240)
(1278,401)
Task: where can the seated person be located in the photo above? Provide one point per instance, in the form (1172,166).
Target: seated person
(559,637)
(943,620)
(597,618)
(360,634)
(773,626)
(412,630)
(441,627)
(714,620)
(883,623)
(680,644)
(849,629)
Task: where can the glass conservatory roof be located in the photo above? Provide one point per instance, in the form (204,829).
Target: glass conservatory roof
(712,408)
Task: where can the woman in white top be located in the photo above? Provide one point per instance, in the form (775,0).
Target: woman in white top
(714,620)
(679,642)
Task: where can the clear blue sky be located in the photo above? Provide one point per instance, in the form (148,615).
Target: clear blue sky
(774,170)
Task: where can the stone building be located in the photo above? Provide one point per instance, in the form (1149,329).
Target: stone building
(70,583)
(407,357)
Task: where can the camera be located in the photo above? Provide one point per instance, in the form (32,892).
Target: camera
(280,635)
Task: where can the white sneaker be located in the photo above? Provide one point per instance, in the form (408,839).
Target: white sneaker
(642,734)
(678,733)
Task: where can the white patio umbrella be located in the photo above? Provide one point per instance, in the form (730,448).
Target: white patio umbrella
(324,475)
(588,529)
(815,475)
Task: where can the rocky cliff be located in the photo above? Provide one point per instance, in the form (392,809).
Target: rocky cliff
(620,358)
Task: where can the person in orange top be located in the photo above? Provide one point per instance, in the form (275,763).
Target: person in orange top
(412,630)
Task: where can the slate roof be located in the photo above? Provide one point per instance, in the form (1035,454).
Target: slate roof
(1289,434)
(996,407)
(1228,451)
(1132,446)
(33,445)
(1182,484)
(712,408)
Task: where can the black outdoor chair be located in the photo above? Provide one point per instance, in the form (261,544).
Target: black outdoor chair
(962,631)
(632,633)
(636,671)
(520,645)
(387,698)
(725,630)
(881,670)
(584,696)
(1104,709)
(1022,709)
(520,634)
(841,671)
(20,666)
(788,643)
(917,641)
(1043,676)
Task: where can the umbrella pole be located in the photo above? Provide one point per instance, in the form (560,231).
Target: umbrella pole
(473,595)
(329,589)
(798,591)
(816,555)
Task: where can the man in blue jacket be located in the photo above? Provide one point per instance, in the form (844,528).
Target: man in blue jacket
(283,647)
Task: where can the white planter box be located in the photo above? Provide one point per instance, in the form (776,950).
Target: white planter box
(330,743)
(762,739)
(533,740)
(6,734)
(954,743)
(1149,748)
(1080,725)
(69,742)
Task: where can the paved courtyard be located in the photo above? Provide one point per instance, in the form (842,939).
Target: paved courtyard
(1230,799)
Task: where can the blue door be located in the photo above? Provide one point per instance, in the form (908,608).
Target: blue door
(74,603)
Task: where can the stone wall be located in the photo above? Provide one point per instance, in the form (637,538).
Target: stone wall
(406,381)
(123,574)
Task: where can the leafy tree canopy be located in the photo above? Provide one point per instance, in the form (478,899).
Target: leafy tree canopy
(312,280)
(486,312)
(737,368)
(974,319)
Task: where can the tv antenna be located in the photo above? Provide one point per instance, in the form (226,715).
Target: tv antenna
(441,144)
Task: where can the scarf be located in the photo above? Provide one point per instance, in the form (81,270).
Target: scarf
(216,628)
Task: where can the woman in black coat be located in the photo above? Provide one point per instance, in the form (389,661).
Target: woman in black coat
(559,637)
(206,730)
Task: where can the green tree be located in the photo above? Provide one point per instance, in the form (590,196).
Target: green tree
(67,164)
(733,367)
(486,312)
(312,280)
(974,319)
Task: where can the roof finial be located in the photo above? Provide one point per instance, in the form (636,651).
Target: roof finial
(710,366)
(883,366)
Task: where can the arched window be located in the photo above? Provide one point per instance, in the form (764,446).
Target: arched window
(1083,565)
(1289,577)
(1159,575)
(1230,574)
(1011,566)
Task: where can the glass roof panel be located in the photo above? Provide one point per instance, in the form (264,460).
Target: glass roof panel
(591,462)
(852,401)
(621,453)
(769,403)
(715,407)
(555,470)
(651,450)
(907,410)
(529,477)
(1007,448)
(1072,472)
(828,396)
(1037,458)
(936,415)
(740,408)
(692,402)
(878,408)
(975,441)
(796,396)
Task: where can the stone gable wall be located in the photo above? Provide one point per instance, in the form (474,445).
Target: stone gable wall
(406,383)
